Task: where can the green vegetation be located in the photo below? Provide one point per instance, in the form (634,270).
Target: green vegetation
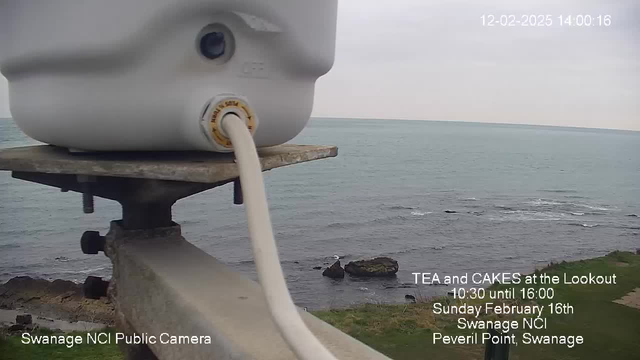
(610,330)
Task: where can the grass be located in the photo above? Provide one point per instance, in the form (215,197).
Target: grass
(12,348)
(610,330)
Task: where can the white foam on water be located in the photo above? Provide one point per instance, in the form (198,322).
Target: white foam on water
(592,207)
(420,213)
(543,202)
(526,215)
(584,225)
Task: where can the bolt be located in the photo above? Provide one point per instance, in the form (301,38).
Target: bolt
(95,288)
(87,195)
(91,242)
(87,200)
(237,192)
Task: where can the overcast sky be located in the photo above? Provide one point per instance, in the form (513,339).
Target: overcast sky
(434,60)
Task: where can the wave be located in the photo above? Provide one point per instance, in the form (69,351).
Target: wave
(400,207)
(526,215)
(560,191)
(330,259)
(552,202)
(389,220)
(584,225)
(469,199)
(9,246)
(630,234)
(592,207)
(544,202)
(85,271)
(577,213)
(593,213)
(420,213)
(414,249)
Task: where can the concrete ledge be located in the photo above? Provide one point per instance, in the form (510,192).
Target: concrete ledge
(199,167)
(162,283)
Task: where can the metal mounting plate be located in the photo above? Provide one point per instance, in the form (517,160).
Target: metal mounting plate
(199,167)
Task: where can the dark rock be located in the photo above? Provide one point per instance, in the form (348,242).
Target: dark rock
(638,251)
(16,327)
(450,211)
(94,287)
(633,215)
(334,271)
(24,319)
(317,267)
(410,297)
(58,299)
(377,267)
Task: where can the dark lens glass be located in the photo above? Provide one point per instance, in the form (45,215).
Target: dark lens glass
(212,45)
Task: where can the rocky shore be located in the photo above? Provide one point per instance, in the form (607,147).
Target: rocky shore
(375,267)
(65,300)
(58,299)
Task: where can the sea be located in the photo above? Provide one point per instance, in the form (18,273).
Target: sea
(451,198)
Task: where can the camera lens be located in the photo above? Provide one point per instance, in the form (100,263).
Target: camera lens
(212,45)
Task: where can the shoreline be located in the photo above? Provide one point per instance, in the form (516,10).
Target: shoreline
(54,300)
(596,321)
(63,300)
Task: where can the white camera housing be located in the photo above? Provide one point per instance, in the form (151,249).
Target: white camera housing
(123,75)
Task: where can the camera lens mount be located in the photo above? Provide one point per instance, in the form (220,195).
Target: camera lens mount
(213,45)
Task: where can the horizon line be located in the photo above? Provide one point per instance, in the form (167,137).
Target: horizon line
(457,121)
(478,122)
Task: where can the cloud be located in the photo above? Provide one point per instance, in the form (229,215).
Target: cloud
(419,59)
(435,60)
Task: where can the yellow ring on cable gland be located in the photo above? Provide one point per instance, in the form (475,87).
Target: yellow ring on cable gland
(229,105)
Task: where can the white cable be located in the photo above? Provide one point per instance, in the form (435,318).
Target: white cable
(285,314)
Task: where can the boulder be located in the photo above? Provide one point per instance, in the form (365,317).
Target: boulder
(317,268)
(334,271)
(377,267)
(16,327)
(24,319)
